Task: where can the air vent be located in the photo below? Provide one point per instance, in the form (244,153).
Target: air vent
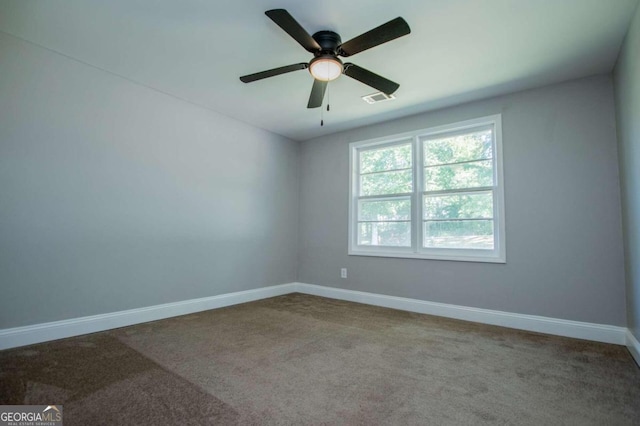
(374,98)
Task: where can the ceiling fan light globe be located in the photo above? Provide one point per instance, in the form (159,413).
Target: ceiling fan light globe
(325,68)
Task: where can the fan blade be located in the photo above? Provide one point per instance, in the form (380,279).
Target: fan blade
(293,28)
(386,32)
(370,79)
(317,94)
(272,73)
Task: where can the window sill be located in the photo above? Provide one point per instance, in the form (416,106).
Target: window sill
(429,256)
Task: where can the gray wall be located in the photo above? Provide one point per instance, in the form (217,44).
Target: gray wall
(114,196)
(627,89)
(563,225)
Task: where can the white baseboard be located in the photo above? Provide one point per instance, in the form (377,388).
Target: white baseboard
(38,333)
(634,346)
(559,327)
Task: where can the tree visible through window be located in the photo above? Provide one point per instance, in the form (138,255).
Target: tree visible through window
(433,194)
(458,197)
(386,182)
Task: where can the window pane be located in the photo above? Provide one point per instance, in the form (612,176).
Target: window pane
(461,234)
(386,183)
(385,210)
(466,175)
(460,206)
(388,158)
(395,234)
(454,149)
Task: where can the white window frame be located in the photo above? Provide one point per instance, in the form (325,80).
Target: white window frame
(416,251)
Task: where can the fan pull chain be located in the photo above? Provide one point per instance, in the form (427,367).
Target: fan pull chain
(328,107)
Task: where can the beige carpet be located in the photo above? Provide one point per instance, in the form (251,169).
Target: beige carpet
(300,359)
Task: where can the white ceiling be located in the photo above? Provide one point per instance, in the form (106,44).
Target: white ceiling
(458,50)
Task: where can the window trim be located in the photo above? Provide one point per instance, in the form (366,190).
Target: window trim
(416,251)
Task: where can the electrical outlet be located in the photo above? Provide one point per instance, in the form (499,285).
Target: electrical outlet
(343,273)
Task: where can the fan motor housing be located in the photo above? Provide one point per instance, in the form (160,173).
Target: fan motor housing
(329,42)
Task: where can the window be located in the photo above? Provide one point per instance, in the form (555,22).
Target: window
(431,194)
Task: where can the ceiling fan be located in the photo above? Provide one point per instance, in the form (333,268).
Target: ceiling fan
(326,46)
